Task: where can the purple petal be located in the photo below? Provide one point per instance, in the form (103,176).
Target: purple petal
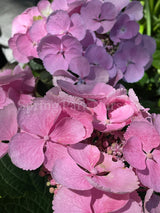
(58,23)
(134,10)
(76,66)
(78,29)
(49,45)
(54,62)
(108,11)
(90,13)
(98,55)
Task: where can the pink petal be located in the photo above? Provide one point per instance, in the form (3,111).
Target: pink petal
(8,122)
(58,23)
(17,55)
(69,201)
(81,114)
(44,7)
(26,151)
(38,26)
(108,202)
(108,165)
(146,133)
(156,155)
(134,154)
(39,118)
(120,180)
(3,149)
(84,155)
(150,176)
(53,152)
(121,114)
(68,131)
(26,46)
(67,173)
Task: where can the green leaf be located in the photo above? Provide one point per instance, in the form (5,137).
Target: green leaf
(13,181)
(156,59)
(23,191)
(30,203)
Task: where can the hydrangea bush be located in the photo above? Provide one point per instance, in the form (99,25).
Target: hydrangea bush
(65,114)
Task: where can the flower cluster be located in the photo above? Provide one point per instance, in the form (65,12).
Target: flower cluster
(96,143)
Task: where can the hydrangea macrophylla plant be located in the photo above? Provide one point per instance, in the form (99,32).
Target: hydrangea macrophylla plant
(96,144)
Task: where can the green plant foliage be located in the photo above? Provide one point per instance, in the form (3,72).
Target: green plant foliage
(22,191)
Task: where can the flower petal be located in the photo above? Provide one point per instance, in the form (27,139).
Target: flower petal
(26,151)
(134,154)
(68,131)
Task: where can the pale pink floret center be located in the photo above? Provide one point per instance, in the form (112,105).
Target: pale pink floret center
(149,155)
(46,137)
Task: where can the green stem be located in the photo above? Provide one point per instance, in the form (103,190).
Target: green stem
(148,17)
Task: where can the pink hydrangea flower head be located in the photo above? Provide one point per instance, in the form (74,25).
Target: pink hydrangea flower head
(109,113)
(91,168)
(142,152)
(42,123)
(22,22)
(18,84)
(8,126)
(71,201)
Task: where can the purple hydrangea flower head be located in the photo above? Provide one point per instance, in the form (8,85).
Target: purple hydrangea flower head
(134,10)
(59,23)
(131,60)
(97,55)
(123,29)
(97,14)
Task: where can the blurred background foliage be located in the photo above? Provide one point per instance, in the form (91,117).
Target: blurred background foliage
(148,88)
